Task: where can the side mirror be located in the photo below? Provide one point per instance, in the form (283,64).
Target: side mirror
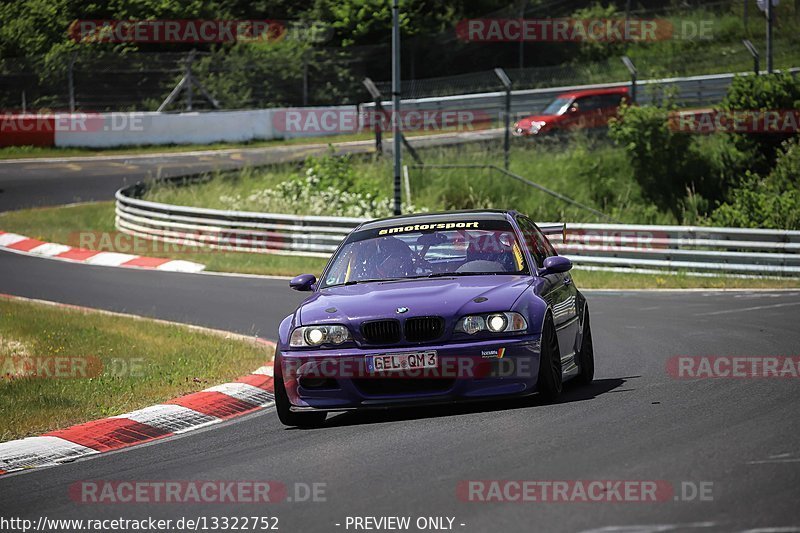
(303,282)
(556,264)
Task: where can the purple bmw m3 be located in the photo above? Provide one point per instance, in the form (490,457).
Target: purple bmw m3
(433,308)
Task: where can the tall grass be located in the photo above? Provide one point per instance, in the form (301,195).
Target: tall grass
(589,170)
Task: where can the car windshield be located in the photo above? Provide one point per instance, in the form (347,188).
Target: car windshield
(427,251)
(557,106)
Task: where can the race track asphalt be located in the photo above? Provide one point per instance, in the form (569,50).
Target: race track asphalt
(41,182)
(36,183)
(634,423)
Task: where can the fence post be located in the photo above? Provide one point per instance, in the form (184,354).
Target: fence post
(501,74)
(190,80)
(70,82)
(633,72)
(376,97)
(754,52)
(305,79)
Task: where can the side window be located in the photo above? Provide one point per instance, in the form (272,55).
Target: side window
(611,100)
(536,242)
(590,103)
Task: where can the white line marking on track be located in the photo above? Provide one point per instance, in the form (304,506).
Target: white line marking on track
(774,461)
(648,528)
(744,310)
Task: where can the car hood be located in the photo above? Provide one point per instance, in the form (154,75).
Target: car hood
(445,297)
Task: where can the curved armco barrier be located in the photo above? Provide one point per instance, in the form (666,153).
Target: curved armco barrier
(686,248)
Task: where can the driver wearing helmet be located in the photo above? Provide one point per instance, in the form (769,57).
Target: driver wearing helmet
(392,259)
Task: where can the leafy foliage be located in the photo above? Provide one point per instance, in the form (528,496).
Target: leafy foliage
(771,202)
(663,163)
(774,92)
(328,187)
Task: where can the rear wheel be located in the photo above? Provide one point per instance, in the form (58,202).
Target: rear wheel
(550,379)
(586,355)
(282,406)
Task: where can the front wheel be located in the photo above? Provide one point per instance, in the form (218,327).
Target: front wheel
(282,406)
(586,354)
(550,379)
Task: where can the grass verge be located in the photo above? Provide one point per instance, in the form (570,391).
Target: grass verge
(109,365)
(67,224)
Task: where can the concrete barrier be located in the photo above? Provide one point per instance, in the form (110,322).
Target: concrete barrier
(105,130)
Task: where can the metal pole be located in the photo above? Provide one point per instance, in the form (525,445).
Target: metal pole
(754,52)
(70,83)
(507,125)
(397,146)
(769,36)
(24,103)
(522,9)
(189,80)
(506,81)
(634,73)
(305,78)
(407,182)
(745,16)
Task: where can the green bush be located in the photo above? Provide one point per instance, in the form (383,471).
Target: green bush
(771,202)
(663,162)
(779,91)
(597,50)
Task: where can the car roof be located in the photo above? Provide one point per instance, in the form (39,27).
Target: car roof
(594,92)
(443,216)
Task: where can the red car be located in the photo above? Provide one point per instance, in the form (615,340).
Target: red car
(588,109)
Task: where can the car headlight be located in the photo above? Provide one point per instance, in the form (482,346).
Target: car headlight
(493,322)
(306,336)
(537,125)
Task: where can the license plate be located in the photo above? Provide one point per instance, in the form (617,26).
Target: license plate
(397,362)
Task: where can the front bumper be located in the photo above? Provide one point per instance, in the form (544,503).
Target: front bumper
(337,380)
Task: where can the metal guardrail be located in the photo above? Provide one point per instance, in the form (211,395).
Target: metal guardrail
(681,248)
(690,91)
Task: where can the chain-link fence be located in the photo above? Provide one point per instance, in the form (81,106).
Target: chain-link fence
(100,78)
(142,81)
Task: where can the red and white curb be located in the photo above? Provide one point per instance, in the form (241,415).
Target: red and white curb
(193,411)
(25,245)
(196,410)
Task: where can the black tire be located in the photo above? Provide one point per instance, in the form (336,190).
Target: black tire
(586,355)
(285,415)
(550,380)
